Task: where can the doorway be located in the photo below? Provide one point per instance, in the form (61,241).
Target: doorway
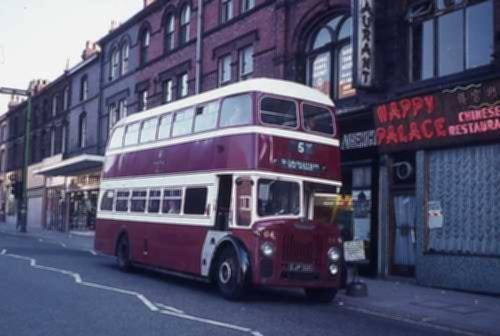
(223,202)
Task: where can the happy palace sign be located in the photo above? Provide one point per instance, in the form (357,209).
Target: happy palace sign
(461,114)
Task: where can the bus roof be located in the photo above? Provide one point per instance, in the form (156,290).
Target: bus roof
(265,85)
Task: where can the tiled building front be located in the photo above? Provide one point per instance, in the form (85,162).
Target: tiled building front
(388,65)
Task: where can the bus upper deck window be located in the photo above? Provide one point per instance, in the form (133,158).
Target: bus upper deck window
(318,119)
(164,128)
(148,130)
(236,110)
(132,134)
(117,138)
(206,117)
(278,112)
(183,122)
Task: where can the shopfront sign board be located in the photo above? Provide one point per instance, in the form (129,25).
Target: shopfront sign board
(354,250)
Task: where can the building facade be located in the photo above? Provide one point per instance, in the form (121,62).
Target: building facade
(416,86)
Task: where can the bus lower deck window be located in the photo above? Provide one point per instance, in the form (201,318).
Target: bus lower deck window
(195,201)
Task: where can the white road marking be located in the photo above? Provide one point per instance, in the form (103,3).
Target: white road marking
(410,321)
(165,310)
(93,252)
(63,245)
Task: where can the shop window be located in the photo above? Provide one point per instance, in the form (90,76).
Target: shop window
(448,37)
(172,199)
(122,201)
(165,126)
(183,122)
(195,201)
(131,134)
(138,201)
(318,119)
(148,130)
(279,112)
(236,110)
(329,58)
(154,201)
(117,138)
(107,200)
(206,117)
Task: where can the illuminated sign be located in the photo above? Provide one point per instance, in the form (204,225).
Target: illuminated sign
(458,115)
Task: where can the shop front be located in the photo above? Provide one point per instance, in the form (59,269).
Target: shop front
(442,152)
(72,205)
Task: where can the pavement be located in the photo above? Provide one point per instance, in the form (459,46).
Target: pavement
(398,300)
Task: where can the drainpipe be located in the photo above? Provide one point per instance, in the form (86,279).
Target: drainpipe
(199,45)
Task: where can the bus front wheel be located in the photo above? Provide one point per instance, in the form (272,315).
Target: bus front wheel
(229,277)
(320,295)
(123,254)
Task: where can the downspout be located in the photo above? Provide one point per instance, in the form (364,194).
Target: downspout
(199,45)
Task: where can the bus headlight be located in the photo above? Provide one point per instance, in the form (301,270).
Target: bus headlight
(333,268)
(267,249)
(334,254)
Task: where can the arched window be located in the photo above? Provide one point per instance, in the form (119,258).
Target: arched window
(144,41)
(66,98)
(115,64)
(84,88)
(329,58)
(169,32)
(124,57)
(82,130)
(185,20)
(55,103)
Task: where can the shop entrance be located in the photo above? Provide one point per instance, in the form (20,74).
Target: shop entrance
(82,210)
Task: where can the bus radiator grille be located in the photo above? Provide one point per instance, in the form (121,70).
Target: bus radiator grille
(297,251)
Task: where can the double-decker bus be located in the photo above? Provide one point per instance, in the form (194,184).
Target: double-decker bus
(223,186)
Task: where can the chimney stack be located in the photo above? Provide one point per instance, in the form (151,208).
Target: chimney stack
(37,85)
(148,2)
(14,101)
(91,48)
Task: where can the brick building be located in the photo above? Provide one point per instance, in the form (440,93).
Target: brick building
(381,63)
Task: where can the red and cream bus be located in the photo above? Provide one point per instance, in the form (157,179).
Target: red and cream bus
(223,186)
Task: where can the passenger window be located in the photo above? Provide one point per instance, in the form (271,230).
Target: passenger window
(122,200)
(206,117)
(172,201)
(164,128)
(107,200)
(148,131)
(278,112)
(318,119)
(138,202)
(132,134)
(235,111)
(195,201)
(183,122)
(116,138)
(154,201)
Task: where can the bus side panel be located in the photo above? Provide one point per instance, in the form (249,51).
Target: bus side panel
(228,152)
(177,247)
(105,234)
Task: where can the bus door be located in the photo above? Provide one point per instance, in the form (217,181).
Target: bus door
(223,202)
(244,201)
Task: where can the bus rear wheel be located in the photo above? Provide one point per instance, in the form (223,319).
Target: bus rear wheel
(321,295)
(123,254)
(228,276)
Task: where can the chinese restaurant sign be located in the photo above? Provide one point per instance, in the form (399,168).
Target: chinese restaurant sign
(365,41)
(462,114)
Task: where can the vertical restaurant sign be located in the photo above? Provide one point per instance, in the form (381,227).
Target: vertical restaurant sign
(451,116)
(365,42)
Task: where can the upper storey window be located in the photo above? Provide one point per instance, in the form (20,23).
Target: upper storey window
(226,10)
(169,33)
(124,58)
(449,36)
(185,20)
(329,58)
(144,41)
(115,64)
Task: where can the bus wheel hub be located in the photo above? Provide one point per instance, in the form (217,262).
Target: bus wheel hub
(225,272)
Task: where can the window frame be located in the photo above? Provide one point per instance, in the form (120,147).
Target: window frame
(184,201)
(185,25)
(124,58)
(169,33)
(112,202)
(180,78)
(250,95)
(334,121)
(124,144)
(144,44)
(226,13)
(160,118)
(220,72)
(206,104)
(297,114)
(165,88)
(117,198)
(84,88)
(114,64)
(243,6)
(143,122)
(163,198)
(174,118)
(138,198)
(241,61)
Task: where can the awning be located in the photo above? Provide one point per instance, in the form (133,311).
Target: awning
(73,166)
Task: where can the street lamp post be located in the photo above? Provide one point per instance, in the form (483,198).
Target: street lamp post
(22,217)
